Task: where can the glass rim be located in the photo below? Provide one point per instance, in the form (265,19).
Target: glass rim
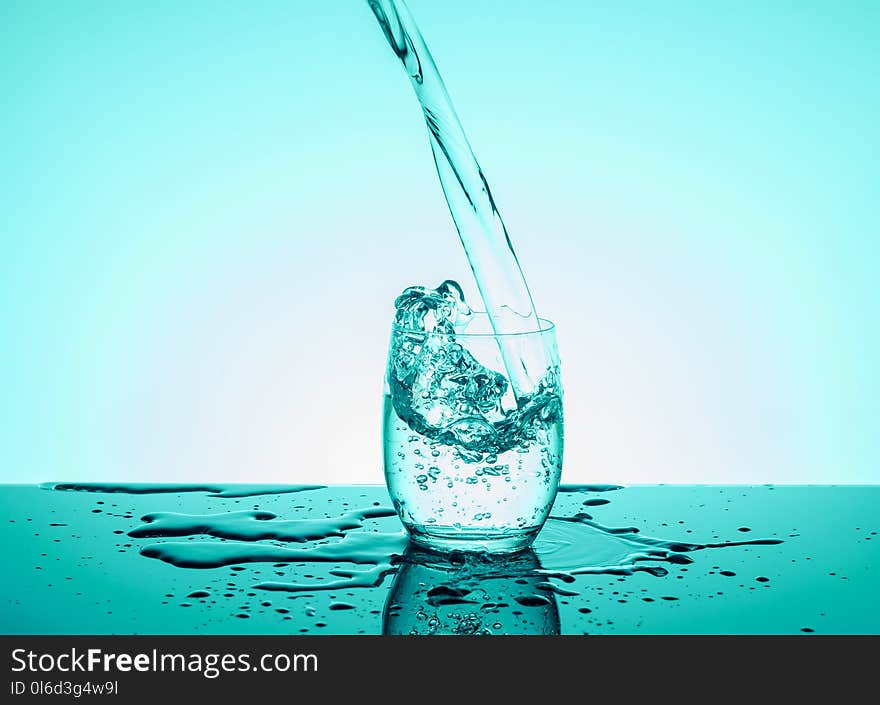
(546,326)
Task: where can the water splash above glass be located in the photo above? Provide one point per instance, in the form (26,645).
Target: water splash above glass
(497,272)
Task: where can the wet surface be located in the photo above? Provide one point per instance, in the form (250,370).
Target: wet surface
(87,558)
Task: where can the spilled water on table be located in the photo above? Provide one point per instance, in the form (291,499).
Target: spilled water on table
(429,594)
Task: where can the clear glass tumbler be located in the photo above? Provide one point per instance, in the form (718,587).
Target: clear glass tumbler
(471,463)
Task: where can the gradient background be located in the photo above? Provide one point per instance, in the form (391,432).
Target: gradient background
(207,208)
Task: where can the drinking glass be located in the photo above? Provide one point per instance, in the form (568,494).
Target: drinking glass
(471,463)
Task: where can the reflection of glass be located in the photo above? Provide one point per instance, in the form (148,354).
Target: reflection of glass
(470,466)
(469,593)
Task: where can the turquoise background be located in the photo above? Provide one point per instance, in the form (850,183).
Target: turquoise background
(206,209)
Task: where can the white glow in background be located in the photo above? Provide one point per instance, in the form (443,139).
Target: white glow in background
(208,213)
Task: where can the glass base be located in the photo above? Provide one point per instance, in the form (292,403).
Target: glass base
(446,539)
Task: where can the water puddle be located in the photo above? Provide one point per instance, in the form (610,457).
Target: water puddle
(430,593)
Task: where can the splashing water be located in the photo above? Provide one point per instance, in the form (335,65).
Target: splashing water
(497,272)
(458,408)
(442,392)
(465,464)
